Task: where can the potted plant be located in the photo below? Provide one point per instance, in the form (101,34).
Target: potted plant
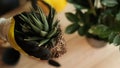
(37,35)
(96,19)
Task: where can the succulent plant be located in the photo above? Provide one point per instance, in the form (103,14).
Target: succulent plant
(39,35)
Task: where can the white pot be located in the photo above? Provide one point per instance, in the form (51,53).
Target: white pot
(96,43)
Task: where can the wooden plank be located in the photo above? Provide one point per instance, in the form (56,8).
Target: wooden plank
(79,55)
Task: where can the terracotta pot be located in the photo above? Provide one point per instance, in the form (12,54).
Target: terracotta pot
(96,43)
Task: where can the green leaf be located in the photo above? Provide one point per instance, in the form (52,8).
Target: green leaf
(112,36)
(109,3)
(44,19)
(107,18)
(101,30)
(51,15)
(36,21)
(25,28)
(55,24)
(52,33)
(43,33)
(118,16)
(42,42)
(72,17)
(81,31)
(32,39)
(72,28)
(24,18)
(116,40)
(81,3)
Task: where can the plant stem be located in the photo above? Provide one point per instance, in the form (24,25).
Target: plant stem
(92,7)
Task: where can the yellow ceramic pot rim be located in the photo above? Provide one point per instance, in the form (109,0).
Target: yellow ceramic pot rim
(11,37)
(58,5)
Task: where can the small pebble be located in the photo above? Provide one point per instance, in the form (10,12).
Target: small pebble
(54,63)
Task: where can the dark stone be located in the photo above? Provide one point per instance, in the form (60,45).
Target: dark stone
(11,56)
(8,5)
(54,63)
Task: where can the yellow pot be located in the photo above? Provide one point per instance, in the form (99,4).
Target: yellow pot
(11,37)
(58,5)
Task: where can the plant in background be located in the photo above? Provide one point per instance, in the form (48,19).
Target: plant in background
(99,19)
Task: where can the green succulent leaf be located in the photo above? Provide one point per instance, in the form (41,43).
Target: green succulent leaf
(72,17)
(42,42)
(52,32)
(43,33)
(51,15)
(37,22)
(109,3)
(72,28)
(44,19)
(55,24)
(24,18)
(32,39)
(25,28)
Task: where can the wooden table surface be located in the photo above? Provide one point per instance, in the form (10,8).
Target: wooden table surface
(79,53)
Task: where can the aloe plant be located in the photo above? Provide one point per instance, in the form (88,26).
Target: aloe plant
(39,35)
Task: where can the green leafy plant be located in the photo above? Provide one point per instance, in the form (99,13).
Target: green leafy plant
(99,19)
